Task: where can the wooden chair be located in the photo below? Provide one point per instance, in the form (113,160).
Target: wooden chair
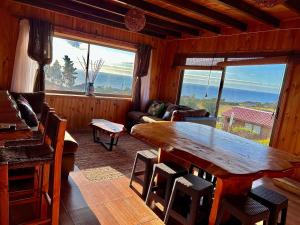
(195,188)
(46,158)
(149,158)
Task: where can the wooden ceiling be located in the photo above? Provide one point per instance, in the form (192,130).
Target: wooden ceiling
(177,18)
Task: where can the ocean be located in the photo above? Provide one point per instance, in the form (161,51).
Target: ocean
(229,94)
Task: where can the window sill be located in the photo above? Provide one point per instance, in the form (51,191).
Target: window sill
(97,96)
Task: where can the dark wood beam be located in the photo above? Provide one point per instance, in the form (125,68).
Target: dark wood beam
(159,11)
(293,5)
(116,8)
(252,11)
(204,11)
(107,19)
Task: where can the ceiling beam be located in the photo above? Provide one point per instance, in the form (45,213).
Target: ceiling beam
(117,8)
(159,11)
(293,5)
(104,18)
(252,11)
(212,14)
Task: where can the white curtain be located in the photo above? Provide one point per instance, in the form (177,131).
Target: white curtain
(24,67)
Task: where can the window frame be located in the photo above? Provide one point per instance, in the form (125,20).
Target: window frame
(274,58)
(126,47)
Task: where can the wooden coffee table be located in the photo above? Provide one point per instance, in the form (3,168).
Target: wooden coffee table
(114,130)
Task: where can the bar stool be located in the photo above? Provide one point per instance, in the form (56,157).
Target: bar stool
(162,190)
(245,209)
(203,174)
(149,158)
(194,187)
(275,202)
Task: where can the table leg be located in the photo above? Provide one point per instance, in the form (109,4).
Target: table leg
(230,186)
(4,197)
(94,134)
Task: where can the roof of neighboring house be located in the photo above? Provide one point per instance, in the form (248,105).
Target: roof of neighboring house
(253,116)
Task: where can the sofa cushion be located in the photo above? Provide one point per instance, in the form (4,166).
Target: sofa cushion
(27,112)
(169,111)
(156,109)
(70,145)
(136,115)
(35,99)
(180,115)
(150,119)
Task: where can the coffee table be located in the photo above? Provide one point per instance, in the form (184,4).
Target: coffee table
(114,130)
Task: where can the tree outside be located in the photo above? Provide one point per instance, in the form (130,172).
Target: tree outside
(69,72)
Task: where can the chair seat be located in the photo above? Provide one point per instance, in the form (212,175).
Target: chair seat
(170,169)
(24,154)
(193,182)
(244,205)
(148,154)
(268,196)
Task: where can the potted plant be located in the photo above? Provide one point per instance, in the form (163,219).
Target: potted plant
(91,73)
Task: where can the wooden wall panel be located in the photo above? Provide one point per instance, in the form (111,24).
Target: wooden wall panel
(9,35)
(80,110)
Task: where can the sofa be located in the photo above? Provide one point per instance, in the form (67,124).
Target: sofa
(169,112)
(36,100)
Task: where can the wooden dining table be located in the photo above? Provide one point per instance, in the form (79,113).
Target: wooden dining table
(235,161)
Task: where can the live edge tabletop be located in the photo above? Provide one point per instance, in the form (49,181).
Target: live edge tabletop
(234,160)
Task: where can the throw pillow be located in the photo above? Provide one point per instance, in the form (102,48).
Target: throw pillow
(156,109)
(26,112)
(169,111)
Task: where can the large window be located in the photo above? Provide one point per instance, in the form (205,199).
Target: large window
(243,97)
(200,89)
(68,70)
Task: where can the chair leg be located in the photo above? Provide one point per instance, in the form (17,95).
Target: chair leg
(167,193)
(194,209)
(283,216)
(133,170)
(170,205)
(146,178)
(150,187)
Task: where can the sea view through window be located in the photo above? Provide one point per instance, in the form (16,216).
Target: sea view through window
(248,100)
(67,72)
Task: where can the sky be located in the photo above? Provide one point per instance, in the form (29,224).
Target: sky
(261,78)
(62,47)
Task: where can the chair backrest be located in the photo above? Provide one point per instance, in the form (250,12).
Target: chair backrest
(44,115)
(55,133)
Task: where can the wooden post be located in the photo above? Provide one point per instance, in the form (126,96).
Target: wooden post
(4,197)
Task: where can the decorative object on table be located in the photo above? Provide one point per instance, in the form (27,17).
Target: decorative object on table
(268,3)
(135,20)
(94,68)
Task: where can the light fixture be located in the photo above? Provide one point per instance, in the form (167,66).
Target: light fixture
(135,20)
(268,3)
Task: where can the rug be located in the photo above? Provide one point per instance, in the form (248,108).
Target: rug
(98,164)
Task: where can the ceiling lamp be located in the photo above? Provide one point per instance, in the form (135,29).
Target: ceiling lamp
(269,3)
(135,20)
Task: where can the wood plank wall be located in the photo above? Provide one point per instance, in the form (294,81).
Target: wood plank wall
(8,31)
(287,129)
(78,111)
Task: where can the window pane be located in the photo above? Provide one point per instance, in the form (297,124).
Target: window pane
(65,72)
(115,76)
(200,89)
(250,97)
